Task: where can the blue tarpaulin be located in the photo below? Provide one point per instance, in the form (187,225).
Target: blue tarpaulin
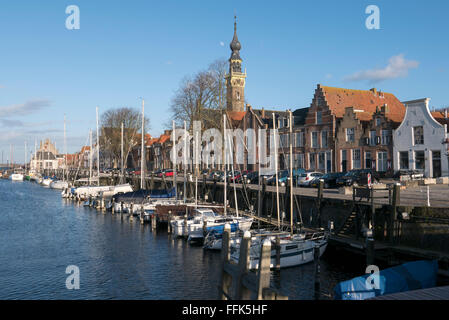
(140,195)
(408,276)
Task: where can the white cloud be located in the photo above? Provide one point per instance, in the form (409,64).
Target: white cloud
(222,43)
(24,109)
(397,67)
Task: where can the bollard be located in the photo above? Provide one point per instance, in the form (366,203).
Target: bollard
(316,257)
(131,209)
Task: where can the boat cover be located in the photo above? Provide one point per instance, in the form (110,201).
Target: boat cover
(408,276)
(142,194)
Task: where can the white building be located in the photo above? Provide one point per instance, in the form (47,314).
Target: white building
(47,157)
(420,142)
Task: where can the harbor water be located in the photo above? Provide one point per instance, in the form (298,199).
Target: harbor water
(42,234)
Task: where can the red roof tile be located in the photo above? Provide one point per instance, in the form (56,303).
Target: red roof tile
(367,100)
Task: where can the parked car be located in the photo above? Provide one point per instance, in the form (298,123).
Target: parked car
(168,172)
(306,178)
(251,177)
(329,180)
(357,177)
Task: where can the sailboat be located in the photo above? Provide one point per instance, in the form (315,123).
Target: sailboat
(295,249)
(86,192)
(58,184)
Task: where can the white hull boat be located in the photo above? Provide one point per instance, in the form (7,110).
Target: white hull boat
(60,185)
(46,182)
(17,177)
(294,252)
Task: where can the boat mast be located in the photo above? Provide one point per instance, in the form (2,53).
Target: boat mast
(233,176)
(291,171)
(185,161)
(276,169)
(90,156)
(35,154)
(175,155)
(25,157)
(142,151)
(98,151)
(225,163)
(65,152)
(121,157)
(197,171)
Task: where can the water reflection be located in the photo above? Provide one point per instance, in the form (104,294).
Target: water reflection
(41,234)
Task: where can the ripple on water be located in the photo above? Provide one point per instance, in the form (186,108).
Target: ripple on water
(41,234)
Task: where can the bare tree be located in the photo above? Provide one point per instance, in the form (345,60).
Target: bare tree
(201,97)
(110,136)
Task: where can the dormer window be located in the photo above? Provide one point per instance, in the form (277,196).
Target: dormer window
(378,122)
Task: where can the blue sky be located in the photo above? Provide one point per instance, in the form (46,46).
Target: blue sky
(126,50)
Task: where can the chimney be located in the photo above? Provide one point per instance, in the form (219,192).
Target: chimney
(445,113)
(263,112)
(248,107)
(373,90)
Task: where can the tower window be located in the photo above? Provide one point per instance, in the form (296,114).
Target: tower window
(238,96)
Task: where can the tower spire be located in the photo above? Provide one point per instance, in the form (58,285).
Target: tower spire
(235,80)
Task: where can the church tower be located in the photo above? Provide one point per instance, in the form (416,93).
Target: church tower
(235,80)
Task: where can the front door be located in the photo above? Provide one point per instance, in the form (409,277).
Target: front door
(436,164)
(344,160)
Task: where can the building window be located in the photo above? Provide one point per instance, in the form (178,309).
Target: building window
(385,137)
(299,160)
(418,135)
(312,161)
(349,134)
(372,138)
(284,140)
(299,138)
(356,163)
(378,122)
(322,161)
(403,160)
(323,139)
(368,160)
(420,163)
(315,139)
(382,161)
(318,117)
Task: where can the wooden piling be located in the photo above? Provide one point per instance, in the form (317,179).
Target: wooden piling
(369,248)
(241,291)
(263,274)
(225,278)
(278,253)
(131,208)
(169,222)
